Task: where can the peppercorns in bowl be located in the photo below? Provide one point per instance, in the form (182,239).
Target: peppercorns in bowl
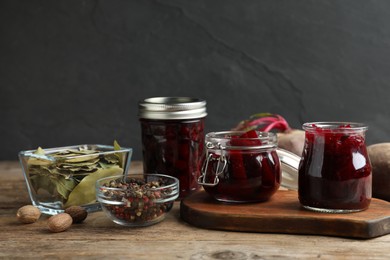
(138,199)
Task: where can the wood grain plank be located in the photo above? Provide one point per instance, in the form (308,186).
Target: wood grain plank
(173,238)
(283,214)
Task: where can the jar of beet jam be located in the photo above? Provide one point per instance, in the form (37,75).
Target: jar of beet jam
(335,170)
(241,166)
(172,131)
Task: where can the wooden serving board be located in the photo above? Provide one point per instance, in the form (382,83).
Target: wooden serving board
(283,214)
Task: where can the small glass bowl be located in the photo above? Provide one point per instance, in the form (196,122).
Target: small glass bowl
(61,177)
(137,200)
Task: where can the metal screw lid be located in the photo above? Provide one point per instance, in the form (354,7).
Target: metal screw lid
(172,108)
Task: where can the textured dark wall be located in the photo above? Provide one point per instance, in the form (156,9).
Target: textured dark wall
(72,72)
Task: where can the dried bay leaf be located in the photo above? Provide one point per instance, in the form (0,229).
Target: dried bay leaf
(84,192)
(42,182)
(69,170)
(71,174)
(39,159)
(78,164)
(104,165)
(82,158)
(112,158)
(64,186)
(52,183)
(121,158)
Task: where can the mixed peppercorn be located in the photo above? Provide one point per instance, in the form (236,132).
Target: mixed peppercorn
(142,201)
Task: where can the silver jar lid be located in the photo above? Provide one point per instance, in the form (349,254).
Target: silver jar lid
(172,108)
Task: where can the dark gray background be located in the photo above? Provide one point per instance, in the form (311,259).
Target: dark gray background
(72,72)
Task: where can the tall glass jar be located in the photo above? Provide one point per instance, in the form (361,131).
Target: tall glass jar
(172,131)
(335,170)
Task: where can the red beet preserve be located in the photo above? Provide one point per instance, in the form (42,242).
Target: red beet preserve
(172,131)
(335,171)
(241,166)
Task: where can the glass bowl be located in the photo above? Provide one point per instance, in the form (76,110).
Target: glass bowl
(137,200)
(61,177)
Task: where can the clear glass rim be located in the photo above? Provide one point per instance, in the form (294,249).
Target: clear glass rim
(166,197)
(100,182)
(342,127)
(268,140)
(47,156)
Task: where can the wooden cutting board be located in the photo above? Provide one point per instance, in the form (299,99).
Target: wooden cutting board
(283,214)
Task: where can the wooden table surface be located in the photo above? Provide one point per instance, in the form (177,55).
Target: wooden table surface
(173,238)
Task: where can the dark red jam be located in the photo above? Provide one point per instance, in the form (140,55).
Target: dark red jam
(174,147)
(250,175)
(335,171)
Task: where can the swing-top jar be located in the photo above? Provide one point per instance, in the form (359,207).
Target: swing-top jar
(173,138)
(241,166)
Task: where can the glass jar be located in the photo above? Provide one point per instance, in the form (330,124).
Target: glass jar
(61,177)
(335,171)
(241,167)
(172,131)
